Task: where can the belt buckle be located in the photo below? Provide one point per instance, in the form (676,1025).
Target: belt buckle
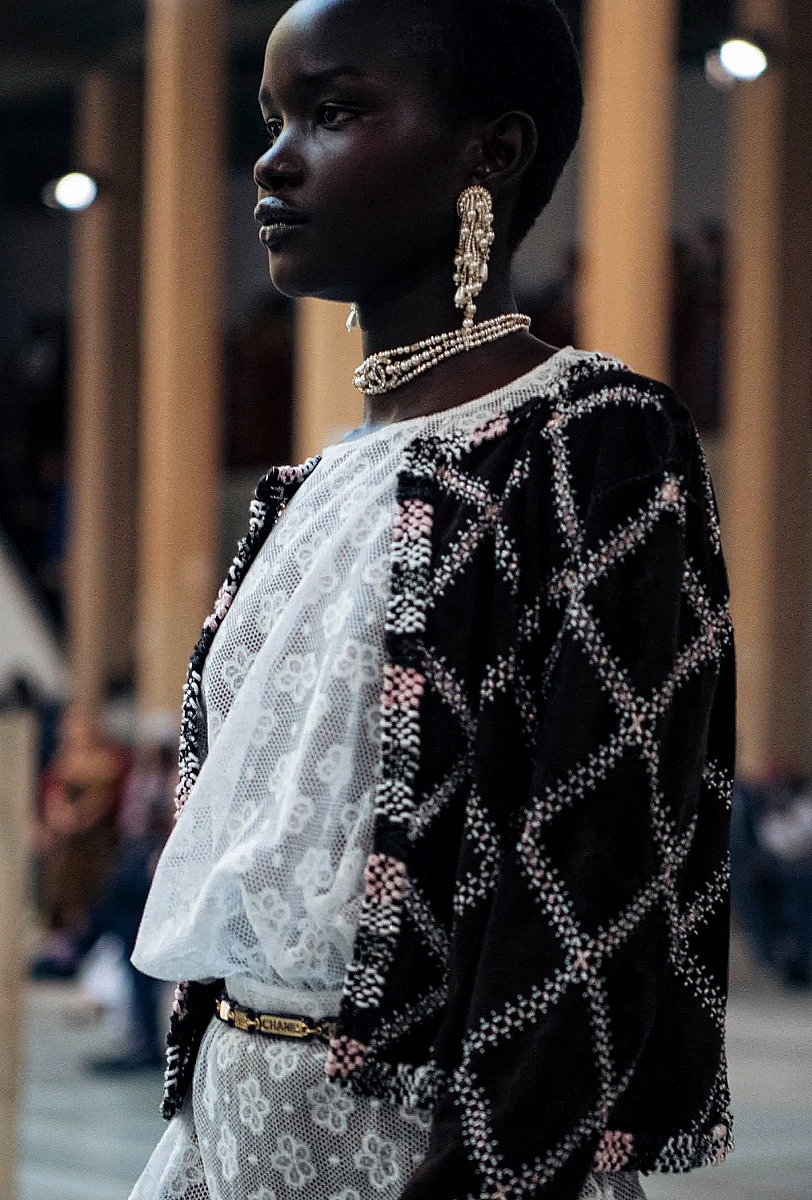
(283,1026)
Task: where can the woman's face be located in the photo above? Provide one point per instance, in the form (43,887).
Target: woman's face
(359,149)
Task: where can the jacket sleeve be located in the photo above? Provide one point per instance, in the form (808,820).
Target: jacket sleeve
(583,914)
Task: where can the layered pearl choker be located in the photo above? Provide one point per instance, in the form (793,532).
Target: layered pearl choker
(390,369)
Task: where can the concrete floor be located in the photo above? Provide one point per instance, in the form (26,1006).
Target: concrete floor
(81,1137)
(85,1138)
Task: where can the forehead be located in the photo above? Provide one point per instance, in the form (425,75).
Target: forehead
(317,36)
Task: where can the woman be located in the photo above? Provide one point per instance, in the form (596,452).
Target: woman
(76,834)
(450,886)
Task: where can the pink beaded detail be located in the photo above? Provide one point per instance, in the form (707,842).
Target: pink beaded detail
(488,430)
(722,1142)
(413,520)
(385,879)
(181,796)
(179,1003)
(344,1057)
(403,687)
(614,1151)
(671,491)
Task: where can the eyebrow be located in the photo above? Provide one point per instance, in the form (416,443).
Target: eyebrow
(314,79)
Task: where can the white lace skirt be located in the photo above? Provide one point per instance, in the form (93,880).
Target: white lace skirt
(265,1123)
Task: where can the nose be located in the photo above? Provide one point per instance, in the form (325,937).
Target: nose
(275,168)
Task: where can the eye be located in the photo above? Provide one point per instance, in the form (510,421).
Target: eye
(273,128)
(331,112)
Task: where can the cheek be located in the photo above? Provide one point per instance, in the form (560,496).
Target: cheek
(391,176)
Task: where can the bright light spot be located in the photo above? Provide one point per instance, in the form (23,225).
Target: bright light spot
(742,59)
(74,192)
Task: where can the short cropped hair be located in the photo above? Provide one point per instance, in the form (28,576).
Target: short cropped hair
(495,56)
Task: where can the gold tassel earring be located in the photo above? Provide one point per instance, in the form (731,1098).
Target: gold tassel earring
(475,208)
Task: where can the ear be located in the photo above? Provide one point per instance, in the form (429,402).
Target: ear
(508,146)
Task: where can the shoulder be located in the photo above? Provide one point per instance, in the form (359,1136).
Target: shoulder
(590,428)
(607,421)
(611,425)
(619,448)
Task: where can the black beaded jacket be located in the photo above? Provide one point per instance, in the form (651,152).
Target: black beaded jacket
(543,948)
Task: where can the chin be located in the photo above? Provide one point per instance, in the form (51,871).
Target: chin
(296,280)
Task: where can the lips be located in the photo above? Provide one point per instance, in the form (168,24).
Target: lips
(273,212)
(270,234)
(276,220)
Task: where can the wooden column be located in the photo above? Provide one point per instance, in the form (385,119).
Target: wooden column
(627,168)
(104,388)
(327,404)
(182,338)
(769,393)
(17,784)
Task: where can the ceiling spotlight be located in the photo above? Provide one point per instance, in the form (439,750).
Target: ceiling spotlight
(743,59)
(73,192)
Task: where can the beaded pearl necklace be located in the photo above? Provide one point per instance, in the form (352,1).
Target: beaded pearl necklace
(390,369)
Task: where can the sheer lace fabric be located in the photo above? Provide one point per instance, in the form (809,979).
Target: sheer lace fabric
(261,880)
(265,1124)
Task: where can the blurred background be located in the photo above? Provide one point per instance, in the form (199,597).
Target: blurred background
(149,374)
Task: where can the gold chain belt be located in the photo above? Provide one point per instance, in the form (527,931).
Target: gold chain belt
(272,1026)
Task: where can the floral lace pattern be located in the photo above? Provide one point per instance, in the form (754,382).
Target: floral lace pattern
(265,1124)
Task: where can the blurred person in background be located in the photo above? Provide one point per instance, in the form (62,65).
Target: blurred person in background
(75,835)
(448,892)
(771,866)
(143,825)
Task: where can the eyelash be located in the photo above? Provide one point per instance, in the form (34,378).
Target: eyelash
(272,136)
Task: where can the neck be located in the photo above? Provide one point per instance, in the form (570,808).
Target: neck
(422,309)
